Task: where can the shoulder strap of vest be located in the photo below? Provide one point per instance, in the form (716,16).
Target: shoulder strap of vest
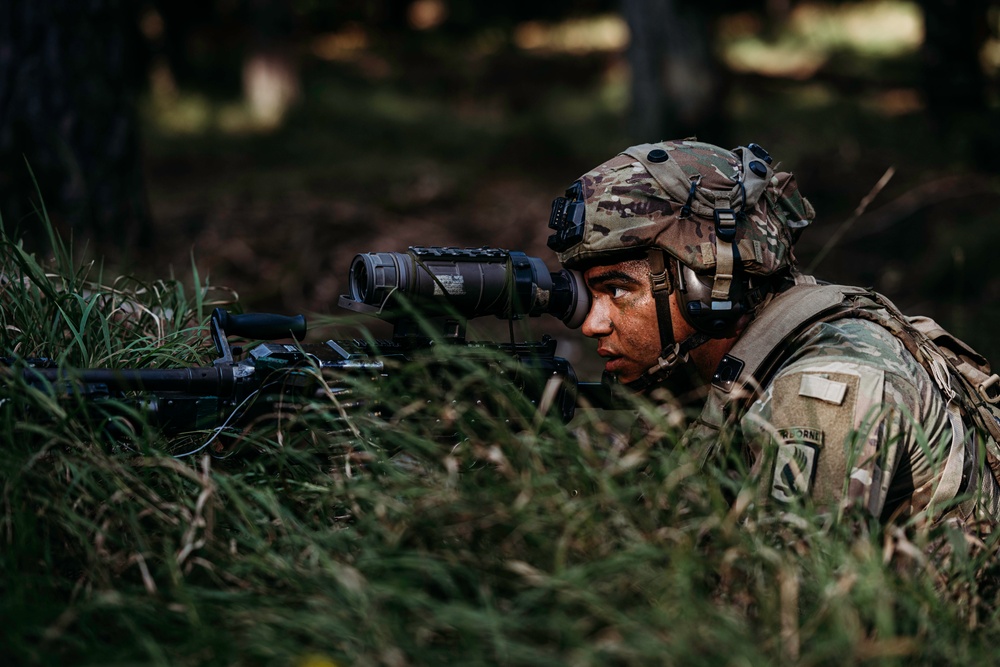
(962,376)
(758,351)
(785,317)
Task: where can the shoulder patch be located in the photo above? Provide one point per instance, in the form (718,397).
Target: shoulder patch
(795,463)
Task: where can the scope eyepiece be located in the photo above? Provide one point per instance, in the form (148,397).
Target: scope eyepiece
(469,282)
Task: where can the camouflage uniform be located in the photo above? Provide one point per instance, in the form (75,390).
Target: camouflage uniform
(847,414)
(854,418)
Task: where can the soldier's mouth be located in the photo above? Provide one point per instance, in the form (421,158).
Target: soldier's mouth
(614,361)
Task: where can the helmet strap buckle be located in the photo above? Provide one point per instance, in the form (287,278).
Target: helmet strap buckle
(659,273)
(659,276)
(668,359)
(725,224)
(725,235)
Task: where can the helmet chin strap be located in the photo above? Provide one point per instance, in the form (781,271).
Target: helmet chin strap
(672,353)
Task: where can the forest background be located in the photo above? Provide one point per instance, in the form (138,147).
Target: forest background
(266,142)
(261,144)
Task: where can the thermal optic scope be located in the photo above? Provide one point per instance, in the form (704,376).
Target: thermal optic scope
(468,282)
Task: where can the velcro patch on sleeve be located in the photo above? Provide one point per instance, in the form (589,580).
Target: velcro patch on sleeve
(822,388)
(813,414)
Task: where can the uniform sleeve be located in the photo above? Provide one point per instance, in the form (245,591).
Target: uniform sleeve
(850,419)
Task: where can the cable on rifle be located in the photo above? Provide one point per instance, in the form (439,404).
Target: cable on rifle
(219,429)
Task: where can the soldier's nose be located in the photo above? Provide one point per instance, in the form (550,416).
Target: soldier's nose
(597,323)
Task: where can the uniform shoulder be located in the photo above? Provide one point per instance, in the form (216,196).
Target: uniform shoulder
(852,341)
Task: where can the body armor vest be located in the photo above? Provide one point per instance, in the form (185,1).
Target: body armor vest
(971,391)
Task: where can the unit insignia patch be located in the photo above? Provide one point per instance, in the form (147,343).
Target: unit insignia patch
(795,463)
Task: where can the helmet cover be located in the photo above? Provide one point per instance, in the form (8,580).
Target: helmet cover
(669,195)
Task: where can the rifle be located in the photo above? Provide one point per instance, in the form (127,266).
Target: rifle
(427,294)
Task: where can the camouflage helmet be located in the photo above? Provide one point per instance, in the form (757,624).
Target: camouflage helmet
(696,201)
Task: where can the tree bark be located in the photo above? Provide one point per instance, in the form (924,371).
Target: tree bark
(677,85)
(953,81)
(270,72)
(68,71)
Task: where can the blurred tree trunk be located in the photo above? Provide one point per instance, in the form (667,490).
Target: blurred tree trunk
(953,81)
(678,88)
(68,70)
(270,71)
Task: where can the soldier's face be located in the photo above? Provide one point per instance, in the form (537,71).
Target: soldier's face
(623,317)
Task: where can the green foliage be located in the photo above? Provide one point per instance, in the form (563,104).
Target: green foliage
(451,532)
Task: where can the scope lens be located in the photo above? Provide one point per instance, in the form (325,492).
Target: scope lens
(361,286)
(375,275)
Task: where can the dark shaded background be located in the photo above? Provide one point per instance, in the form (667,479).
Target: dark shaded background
(267,141)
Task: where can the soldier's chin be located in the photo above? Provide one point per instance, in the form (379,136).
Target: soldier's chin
(622,375)
(619,368)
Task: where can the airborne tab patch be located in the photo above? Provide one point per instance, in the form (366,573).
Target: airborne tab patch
(795,463)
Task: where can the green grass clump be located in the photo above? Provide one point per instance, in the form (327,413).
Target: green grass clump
(439,531)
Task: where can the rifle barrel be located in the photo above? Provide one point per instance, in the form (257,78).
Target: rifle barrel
(202,381)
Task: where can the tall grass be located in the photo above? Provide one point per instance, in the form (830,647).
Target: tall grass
(447,534)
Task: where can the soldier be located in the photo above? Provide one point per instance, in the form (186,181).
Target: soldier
(687,251)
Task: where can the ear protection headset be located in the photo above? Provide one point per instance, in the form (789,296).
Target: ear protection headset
(714,318)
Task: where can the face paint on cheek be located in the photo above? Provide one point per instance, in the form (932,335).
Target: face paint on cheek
(623,318)
(636,339)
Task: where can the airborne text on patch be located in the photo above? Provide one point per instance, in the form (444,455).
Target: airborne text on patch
(801,434)
(795,463)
